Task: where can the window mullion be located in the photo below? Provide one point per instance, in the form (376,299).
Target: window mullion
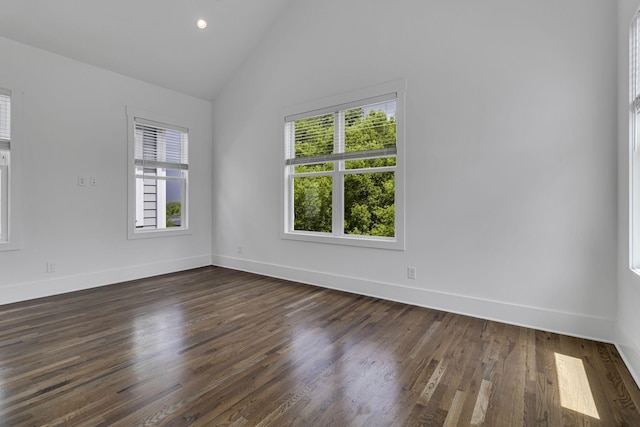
(338,167)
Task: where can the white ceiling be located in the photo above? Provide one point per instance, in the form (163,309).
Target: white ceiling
(151,40)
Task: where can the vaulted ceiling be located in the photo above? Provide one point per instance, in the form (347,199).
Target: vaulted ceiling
(152,40)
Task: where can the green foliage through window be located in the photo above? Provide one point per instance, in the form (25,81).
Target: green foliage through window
(174,214)
(369,208)
(312,203)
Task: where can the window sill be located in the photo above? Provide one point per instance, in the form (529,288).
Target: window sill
(148,234)
(360,241)
(9,246)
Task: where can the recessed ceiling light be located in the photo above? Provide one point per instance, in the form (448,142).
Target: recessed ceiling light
(202,24)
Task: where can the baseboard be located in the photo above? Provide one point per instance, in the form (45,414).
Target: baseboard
(573,324)
(630,353)
(61,285)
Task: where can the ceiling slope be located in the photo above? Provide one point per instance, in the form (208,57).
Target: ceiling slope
(152,40)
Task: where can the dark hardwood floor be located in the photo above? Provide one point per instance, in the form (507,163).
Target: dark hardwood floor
(213,346)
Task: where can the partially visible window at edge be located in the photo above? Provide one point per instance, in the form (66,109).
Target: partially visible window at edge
(5,156)
(634,137)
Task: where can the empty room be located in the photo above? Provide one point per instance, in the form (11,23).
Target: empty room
(306,213)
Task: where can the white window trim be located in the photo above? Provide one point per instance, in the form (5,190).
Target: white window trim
(329,104)
(13,172)
(133,233)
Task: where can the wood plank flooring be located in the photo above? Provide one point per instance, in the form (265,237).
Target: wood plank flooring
(213,346)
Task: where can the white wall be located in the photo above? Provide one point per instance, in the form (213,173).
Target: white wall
(72,124)
(628,322)
(511,154)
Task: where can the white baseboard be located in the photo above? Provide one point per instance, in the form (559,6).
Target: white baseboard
(573,324)
(61,285)
(630,353)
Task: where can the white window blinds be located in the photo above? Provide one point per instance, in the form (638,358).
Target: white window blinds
(308,142)
(5,119)
(158,145)
(634,46)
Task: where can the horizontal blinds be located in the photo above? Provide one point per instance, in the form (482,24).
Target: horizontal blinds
(635,63)
(151,123)
(5,119)
(364,129)
(634,71)
(345,106)
(160,146)
(313,137)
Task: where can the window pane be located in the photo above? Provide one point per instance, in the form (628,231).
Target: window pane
(146,203)
(312,203)
(370,163)
(369,204)
(174,199)
(371,127)
(314,136)
(159,202)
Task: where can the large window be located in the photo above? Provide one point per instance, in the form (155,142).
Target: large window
(634,121)
(344,172)
(5,151)
(159,180)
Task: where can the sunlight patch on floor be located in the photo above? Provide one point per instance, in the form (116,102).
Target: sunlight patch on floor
(575,393)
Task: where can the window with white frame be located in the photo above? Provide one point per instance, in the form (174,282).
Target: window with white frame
(159,174)
(634,112)
(5,151)
(344,171)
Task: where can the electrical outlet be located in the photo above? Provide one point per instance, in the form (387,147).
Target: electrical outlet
(411,273)
(51,267)
(239,249)
(93,181)
(82,181)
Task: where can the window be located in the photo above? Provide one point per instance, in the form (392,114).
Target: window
(344,171)
(159,165)
(5,148)
(634,111)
